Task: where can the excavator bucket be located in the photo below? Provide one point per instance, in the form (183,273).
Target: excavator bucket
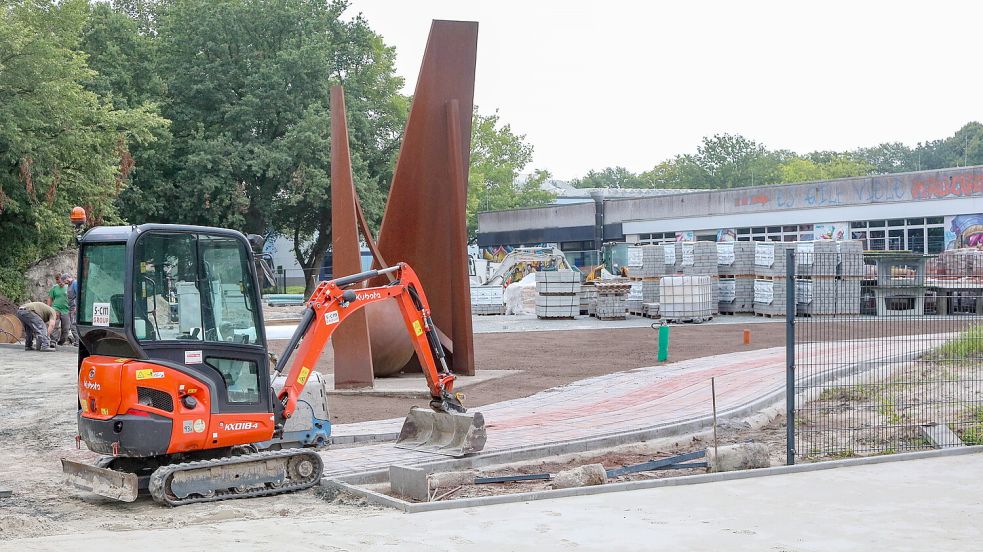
(101,481)
(450,433)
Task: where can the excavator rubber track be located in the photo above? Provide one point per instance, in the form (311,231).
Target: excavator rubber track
(250,475)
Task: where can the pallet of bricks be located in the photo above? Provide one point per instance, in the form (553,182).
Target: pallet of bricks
(558,294)
(487,300)
(700,259)
(735,285)
(611,303)
(635,267)
(588,298)
(828,277)
(657,261)
(770,278)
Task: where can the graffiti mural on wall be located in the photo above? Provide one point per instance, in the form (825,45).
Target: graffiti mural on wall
(960,185)
(686,236)
(726,235)
(917,187)
(964,231)
(832,231)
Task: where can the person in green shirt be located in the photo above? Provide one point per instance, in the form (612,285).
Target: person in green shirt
(58,300)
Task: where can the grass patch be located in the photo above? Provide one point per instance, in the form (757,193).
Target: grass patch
(848,394)
(968,344)
(973,435)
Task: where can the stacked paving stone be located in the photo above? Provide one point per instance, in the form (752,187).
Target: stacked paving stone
(851,273)
(588,296)
(558,294)
(735,266)
(636,266)
(658,260)
(770,277)
(611,303)
(486,300)
(634,300)
(686,298)
(700,259)
(816,264)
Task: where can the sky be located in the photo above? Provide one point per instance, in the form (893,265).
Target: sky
(633,83)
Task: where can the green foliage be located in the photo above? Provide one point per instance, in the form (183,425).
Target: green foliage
(497,157)
(968,345)
(611,177)
(848,394)
(61,145)
(798,169)
(246,84)
(973,435)
(732,161)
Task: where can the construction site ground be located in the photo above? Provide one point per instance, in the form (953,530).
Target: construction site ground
(37,398)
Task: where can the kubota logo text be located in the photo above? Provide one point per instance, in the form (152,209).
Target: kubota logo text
(241,426)
(365,296)
(92,386)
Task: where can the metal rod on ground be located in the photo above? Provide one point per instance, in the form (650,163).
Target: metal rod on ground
(713,398)
(511,478)
(661,463)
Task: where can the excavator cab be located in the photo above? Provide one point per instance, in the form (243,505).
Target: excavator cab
(185,298)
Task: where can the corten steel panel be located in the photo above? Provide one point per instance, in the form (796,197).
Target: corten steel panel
(425,214)
(352,350)
(461,335)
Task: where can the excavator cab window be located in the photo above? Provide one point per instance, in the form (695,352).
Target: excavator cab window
(101,292)
(193,287)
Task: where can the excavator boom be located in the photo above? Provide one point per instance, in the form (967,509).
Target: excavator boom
(447,428)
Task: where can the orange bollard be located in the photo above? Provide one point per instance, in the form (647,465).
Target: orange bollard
(747,337)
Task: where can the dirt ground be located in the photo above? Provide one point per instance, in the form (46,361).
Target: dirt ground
(552,358)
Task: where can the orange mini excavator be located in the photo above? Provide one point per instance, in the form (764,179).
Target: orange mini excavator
(174,380)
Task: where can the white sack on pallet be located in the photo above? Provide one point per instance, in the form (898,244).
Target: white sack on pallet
(520,297)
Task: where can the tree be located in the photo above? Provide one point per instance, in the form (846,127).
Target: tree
(611,177)
(498,156)
(889,157)
(247,89)
(804,169)
(60,144)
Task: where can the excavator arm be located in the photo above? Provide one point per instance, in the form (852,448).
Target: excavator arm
(329,306)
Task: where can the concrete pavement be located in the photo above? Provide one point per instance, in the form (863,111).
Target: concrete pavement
(930,504)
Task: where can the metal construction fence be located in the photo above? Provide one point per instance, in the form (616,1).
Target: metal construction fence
(885,351)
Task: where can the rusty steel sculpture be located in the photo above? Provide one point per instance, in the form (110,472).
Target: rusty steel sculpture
(425,218)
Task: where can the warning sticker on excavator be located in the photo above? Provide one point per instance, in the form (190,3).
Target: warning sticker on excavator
(302,378)
(148,373)
(330,317)
(418,328)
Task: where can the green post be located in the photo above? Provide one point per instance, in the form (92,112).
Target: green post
(663,342)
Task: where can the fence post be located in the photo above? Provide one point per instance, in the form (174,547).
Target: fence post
(790,356)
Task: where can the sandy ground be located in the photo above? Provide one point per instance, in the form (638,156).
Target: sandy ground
(932,504)
(38,430)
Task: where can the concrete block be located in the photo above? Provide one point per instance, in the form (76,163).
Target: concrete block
(409,482)
(941,436)
(584,476)
(449,480)
(742,456)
